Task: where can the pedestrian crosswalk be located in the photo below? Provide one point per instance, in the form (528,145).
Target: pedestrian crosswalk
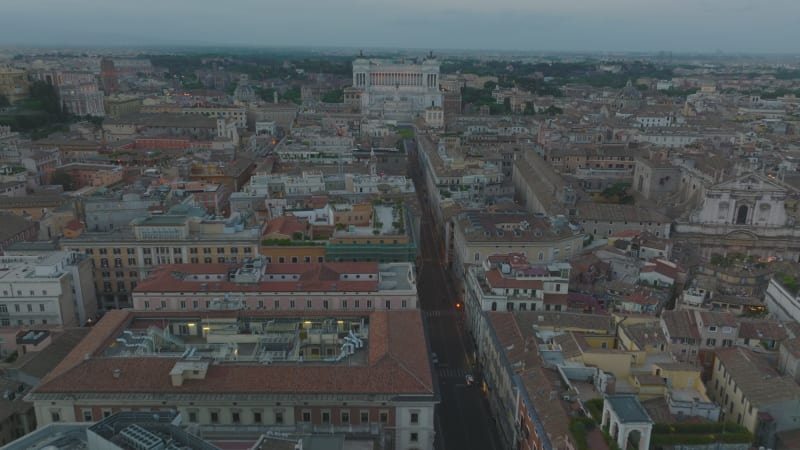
(452,372)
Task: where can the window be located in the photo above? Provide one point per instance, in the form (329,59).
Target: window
(4,308)
(87,415)
(41,307)
(712,329)
(214,417)
(234,250)
(291,304)
(30,307)
(307,259)
(220,250)
(356,303)
(276,304)
(183,304)
(306,416)
(324,304)
(247,249)
(326,417)
(345,416)
(404,304)
(193,416)
(207,260)
(364,417)
(221,259)
(414,418)
(195,304)
(256,416)
(308,304)
(236,417)
(414,437)
(106,413)
(55,416)
(711,342)
(207,251)
(146,304)
(281,259)
(294,259)
(384,417)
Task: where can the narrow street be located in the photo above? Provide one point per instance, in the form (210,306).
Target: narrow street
(463,419)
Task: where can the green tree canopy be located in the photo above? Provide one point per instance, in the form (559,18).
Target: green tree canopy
(62,178)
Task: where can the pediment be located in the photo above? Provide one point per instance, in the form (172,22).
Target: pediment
(750,182)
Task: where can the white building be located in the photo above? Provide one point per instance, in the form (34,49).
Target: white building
(46,289)
(397,89)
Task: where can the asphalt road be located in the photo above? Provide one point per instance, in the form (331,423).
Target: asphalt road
(463,420)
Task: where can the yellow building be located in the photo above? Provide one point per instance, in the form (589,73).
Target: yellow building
(13,84)
(123,257)
(753,395)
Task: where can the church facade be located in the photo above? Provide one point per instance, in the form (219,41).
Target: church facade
(746,215)
(397,89)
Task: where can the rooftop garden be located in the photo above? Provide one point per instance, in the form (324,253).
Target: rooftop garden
(788,282)
(684,434)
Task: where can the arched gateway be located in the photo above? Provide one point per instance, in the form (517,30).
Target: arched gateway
(625,417)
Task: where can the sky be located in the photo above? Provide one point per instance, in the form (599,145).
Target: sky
(734,26)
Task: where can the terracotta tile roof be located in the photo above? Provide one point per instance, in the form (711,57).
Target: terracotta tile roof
(107,329)
(497,280)
(762,329)
(285,225)
(680,324)
(313,277)
(398,364)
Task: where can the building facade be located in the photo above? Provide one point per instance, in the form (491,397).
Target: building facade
(52,289)
(122,257)
(258,285)
(339,372)
(397,90)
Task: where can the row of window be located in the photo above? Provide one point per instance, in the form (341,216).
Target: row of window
(31,292)
(17,308)
(4,322)
(166,250)
(524,306)
(276,304)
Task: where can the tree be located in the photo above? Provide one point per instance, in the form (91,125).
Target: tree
(334,96)
(62,178)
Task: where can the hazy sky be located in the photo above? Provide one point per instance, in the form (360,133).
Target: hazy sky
(593,25)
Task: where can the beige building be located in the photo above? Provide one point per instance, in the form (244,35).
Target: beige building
(13,84)
(477,235)
(300,372)
(123,257)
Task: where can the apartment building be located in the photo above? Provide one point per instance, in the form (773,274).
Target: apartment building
(509,282)
(754,395)
(331,372)
(52,288)
(478,234)
(257,285)
(123,257)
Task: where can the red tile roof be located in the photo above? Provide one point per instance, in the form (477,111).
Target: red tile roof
(398,364)
(311,277)
(497,280)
